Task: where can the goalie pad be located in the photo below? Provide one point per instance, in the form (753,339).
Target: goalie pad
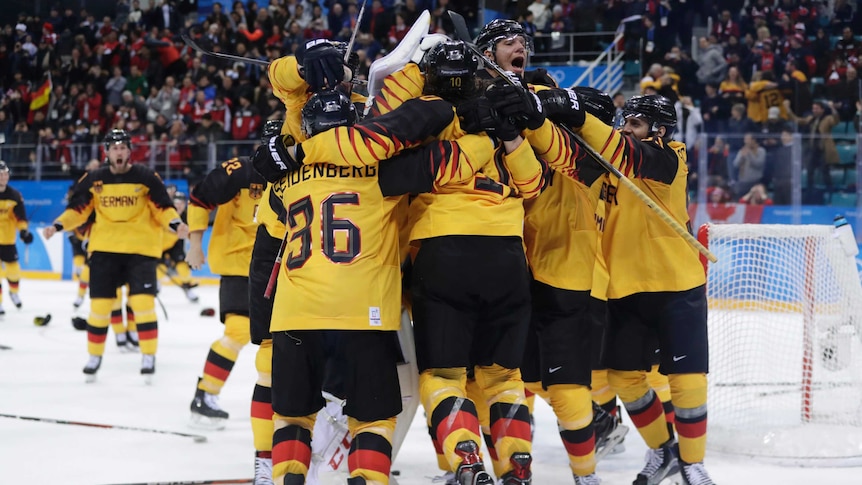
(397,59)
(330,446)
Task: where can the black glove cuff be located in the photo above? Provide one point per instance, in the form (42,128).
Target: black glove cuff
(58,226)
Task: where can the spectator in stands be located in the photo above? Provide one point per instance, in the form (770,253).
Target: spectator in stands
(558,24)
(679,60)
(725,27)
(717,160)
(847,48)
(115,86)
(541,16)
(733,87)
(757,195)
(821,49)
(246,119)
(715,110)
(689,124)
(137,83)
(842,16)
(713,67)
(735,52)
(845,94)
(820,150)
(750,163)
(24,143)
(794,85)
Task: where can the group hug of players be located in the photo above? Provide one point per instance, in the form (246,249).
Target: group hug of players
(466,199)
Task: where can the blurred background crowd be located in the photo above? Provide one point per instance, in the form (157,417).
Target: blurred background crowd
(761,78)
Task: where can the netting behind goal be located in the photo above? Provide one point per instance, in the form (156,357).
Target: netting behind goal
(785,338)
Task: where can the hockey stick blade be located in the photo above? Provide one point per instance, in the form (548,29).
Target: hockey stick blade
(226,481)
(5,347)
(198,438)
(464,35)
(248,60)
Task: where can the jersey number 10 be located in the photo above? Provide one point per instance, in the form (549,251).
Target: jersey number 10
(330,226)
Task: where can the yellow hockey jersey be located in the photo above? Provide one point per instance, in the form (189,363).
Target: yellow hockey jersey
(131,210)
(643,254)
(236,190)
(13,217)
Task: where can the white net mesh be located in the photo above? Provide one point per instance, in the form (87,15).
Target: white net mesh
(785,335)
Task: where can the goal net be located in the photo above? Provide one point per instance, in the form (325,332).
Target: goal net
(785,343)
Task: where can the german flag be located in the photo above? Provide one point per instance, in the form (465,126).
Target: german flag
(41,96)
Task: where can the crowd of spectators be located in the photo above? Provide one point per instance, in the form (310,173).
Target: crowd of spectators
(768,76)
(751,75)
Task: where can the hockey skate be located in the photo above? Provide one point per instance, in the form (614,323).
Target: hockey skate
(520,474)
(661,463)
(190,294)
(92,366)
(133,340)
(591,479)
(123,343)
(262,469)
(471,471)
(694,474)
(2,311)
(609,433)
(206,413)
(148,367)
(15,299)
(78,302)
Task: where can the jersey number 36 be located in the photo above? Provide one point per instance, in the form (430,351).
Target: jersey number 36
(300,218)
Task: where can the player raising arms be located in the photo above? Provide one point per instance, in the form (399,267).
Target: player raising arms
(131,207)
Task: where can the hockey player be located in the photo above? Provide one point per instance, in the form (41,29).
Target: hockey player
(235,189)
(560,238)
(13,223)
(131,206)
(174,263)
(656,288)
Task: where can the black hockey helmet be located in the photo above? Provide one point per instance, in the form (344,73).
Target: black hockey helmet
(596,103)
(118,136)
(657,110)
(450,70)
(325,110)
(500,29)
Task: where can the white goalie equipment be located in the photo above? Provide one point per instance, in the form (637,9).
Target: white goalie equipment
(331,439)
(785,338)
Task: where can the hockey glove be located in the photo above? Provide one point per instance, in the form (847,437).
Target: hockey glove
(477,116)
(519,105)
(562,106)
(322,64)
(273,161)
(26,236)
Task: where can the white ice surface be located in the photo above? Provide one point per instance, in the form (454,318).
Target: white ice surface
(41,376)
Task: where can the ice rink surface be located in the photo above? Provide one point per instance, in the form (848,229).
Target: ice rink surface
(40,376)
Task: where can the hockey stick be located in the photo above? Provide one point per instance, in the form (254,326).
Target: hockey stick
(224,481)
(462,33)
(248,60)
(198,438)
(355,31)
(162,305)
(276,267)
